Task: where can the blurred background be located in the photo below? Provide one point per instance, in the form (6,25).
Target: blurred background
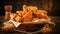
(52,6)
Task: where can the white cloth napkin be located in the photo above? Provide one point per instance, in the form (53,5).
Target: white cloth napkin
(16,24)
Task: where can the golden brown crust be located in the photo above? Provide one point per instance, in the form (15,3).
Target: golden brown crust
(30,12)
(18,18)
(13,16)
(33,19)
(43,11)
(33,8)
(27,17)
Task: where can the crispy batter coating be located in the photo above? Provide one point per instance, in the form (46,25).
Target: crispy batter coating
(18,18)
(41,15)
(33,19)
(30,12)
(43,11)
(27,17)
(13,16)
(32,8)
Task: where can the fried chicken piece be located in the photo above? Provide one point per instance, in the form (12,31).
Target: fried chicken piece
(33,19)
(41,16)
(38,15)
(27,17)
(46,17)
(18,18)
(20,13)
(43,11)
(13,16)
(25,8)
(32,8)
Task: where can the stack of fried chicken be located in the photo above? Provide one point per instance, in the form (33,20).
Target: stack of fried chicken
(30,14)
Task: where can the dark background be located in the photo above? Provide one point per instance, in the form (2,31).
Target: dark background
(52,6)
